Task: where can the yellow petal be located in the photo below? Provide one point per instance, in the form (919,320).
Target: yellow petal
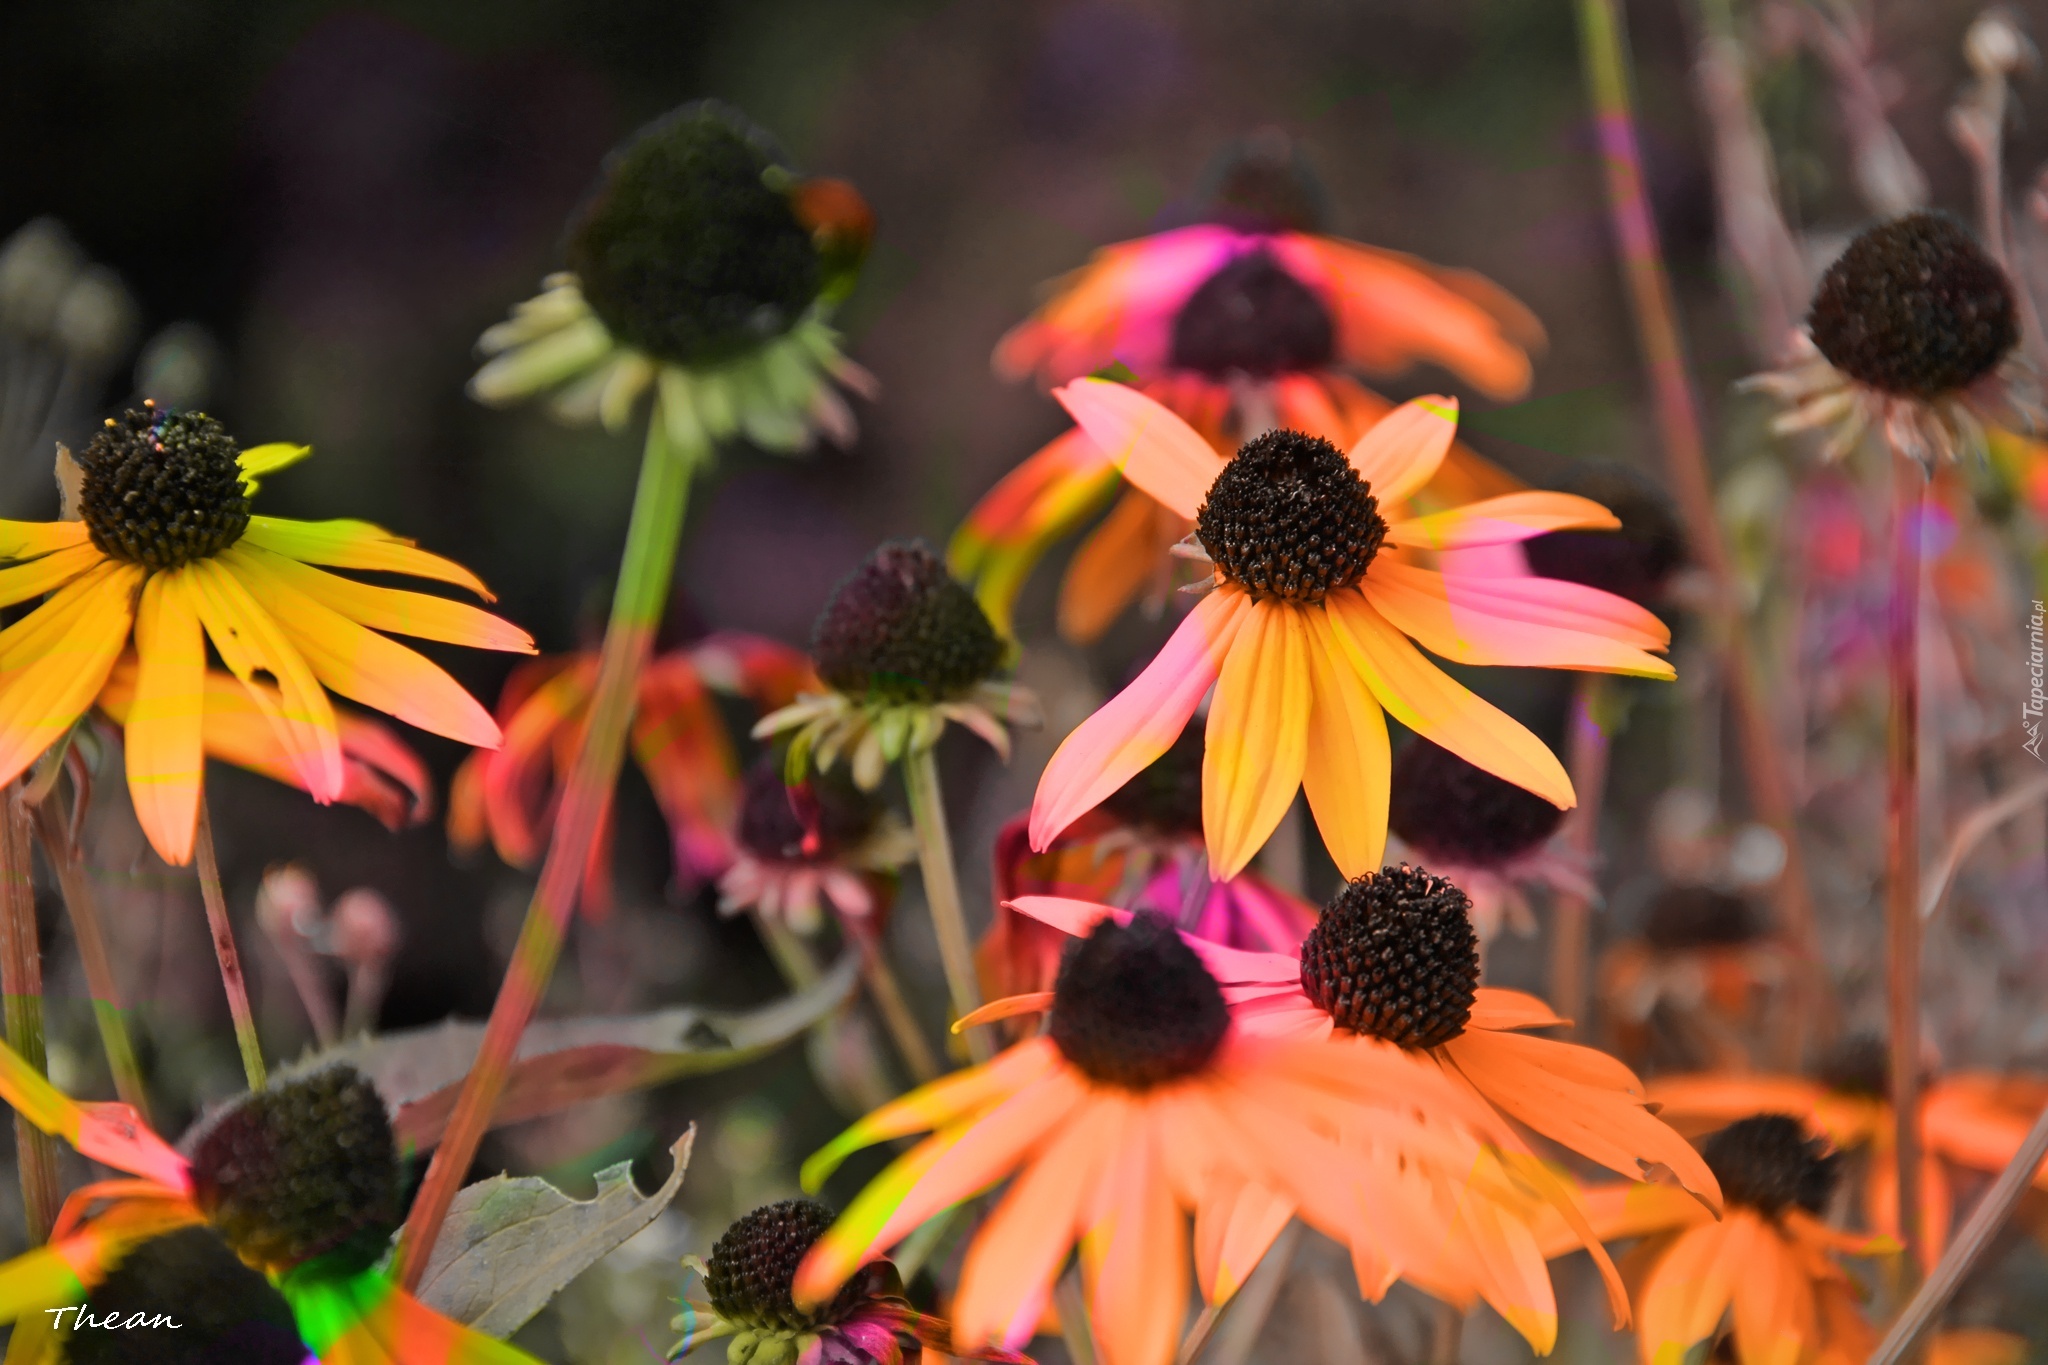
(1257,738)
(20,582)
(166,720)
(1403,450)
(250,640)
(393,609)
(260,461)
(50,672)
(27,539)
(1348,765)
(1154,448)
(356,545)
(1428,701)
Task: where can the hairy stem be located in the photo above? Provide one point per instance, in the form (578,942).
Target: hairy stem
(223,932)
(644,570)
(21,984)
(942,890)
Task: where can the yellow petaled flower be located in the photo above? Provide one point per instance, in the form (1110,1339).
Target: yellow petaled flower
(167,553)
(704,273)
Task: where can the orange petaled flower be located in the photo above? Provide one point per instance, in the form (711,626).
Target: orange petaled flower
(1705,979)
(678,738)
(1144,1100)
(168,553)
(1974,1120)
(1307,635)
(1769,1259)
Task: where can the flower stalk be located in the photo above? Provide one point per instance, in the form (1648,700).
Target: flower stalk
(1902,846)
(21,981)
(223,932)
(887,993)
(1571,915)
(659,502)
(942,889)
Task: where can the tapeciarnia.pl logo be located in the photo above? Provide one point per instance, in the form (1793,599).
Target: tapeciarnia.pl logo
(2037,696)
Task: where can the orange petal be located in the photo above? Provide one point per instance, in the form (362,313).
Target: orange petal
(1404,449)
(1234,1226)
(1347,769)
(1428,701)
(165,729)
(1257,737)
(1154,448)
(1133,1261)
(1464,627)
(1775,1318)
(1504,520)
(1111,567)
(1690,1287)
(356,545)
(1141,722)
(1496,1008)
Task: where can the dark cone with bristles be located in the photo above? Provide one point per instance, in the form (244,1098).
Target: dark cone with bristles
(1134,1007)
(1289,517)
(1454,813)
(1636,561)
(162,489)
(1859,1065)
(902,629)
(818,820)
(1394,956)
(753,1264)
(1769,1164)
(691,249)
(302,1171)
(1253,318)
(185,1299)
(1915,308)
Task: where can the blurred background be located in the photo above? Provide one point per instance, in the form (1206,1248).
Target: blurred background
(301,215)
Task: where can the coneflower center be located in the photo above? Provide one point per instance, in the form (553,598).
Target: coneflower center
(185,1299)
(1769,1164)
(1859,1065)
(1689,917)
(1394,956)
(1166,798)
(1290,518)
(814,823)
(902,629)
(1252,318)
(162,489)
(1635,561)
(1452,812)
(685,250)
(754,1262)
(303,1170)
(1134,1007)
(1916,308)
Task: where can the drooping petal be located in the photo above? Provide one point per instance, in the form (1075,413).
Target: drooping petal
(1041,500)
(1775,1318)
(344,544)
(1257,738)
(1234,1226)
(1133,1262)
(1428,701)
(1512,1274)
(1691,1286)
(165,730)
(1111,567)
(1503,520)
(1076,917)
(1349,764)
(365,1319)
(1141,722)
(679,741)
(1155,449)
(1551,602)
(1404,449)
(53,661)
(109,1133)
(1458,625)
(418,614)
(1118,306)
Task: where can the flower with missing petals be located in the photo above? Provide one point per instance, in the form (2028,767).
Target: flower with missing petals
(824,842)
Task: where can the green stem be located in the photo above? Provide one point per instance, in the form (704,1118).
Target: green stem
(223,931)
(942,890)
(21,983)
(80,902)
(659,502)
(887,993)
(792,955)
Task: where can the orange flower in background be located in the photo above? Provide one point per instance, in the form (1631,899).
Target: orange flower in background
(168,553)
(678,738)
(1143,1101)
(1307,634)
(1971,1119)
(1768,1265)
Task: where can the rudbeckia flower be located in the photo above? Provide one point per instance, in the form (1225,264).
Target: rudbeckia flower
(1913,332)
(903,649)
(703,272)
(1769,1257)
(166,553)
(1144,1100)
(748,1277)
(1248,322)
(1494,839)
(678,739)
(1975,1120)
(302,1184)
(799,846)
(1307,634)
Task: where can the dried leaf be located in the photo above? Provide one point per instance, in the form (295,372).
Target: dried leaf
(511,1244)
(563,1062)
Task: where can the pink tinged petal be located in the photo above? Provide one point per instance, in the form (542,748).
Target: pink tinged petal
(1425,699)
(1257,737)
(1349,766)
(1404,449)
(1552,602)
(1466,628)
(852,1240)
(1141,722)
(356,545)
(1156,450)
(51,670)
(392,609)
(114,1135)
(1502,520)
(250,641)
(1068,916)
(165,730)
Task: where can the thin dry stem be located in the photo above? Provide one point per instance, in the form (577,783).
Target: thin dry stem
(1902,872)
(21,982)
(223,932)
